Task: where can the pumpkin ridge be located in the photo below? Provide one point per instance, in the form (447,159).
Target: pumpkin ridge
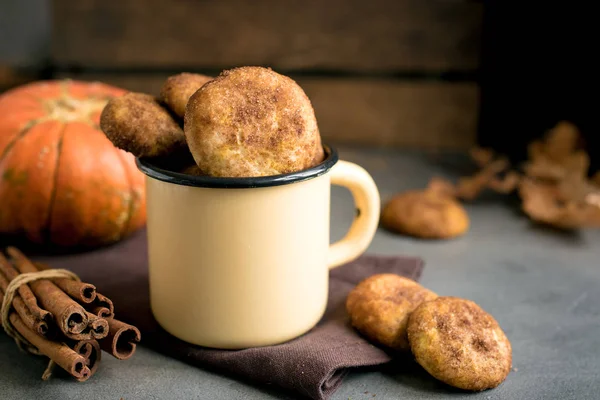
(26,129)
(131,196)
(48,225)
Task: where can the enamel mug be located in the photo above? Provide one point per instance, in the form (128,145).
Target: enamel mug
(243,262)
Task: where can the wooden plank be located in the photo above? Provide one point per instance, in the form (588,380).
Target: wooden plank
(399,114)
(349,35)
(374,112)
(10,77)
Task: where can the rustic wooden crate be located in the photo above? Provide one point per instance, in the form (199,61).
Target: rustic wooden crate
(361,35)
(11,77)
(374,70)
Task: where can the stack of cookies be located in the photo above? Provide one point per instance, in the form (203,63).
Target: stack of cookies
(247,122)
(453,339)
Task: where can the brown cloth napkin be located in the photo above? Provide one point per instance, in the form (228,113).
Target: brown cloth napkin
(313,364)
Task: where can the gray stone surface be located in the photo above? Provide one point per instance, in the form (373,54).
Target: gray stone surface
(543,287)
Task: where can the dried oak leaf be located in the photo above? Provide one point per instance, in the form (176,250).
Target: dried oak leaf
(577,188)
(468,188)
(488,177)
(507,184)
(552,205)
(441,187)
(561,141)
(557,155)
(542,167)
(482,156)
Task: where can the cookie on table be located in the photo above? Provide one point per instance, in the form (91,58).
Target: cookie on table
(425,214)
(380,305)
(137,123)
(459,343)
(250,122)
(177,90)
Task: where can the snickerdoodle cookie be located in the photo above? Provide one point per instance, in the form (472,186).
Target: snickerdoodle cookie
(252,121)
(137,123)
(425,214)
(380,305)
(459,343)
(177,90)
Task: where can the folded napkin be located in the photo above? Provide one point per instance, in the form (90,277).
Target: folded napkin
(313,364)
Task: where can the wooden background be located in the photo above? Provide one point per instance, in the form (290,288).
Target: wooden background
(381,72)
(404,73)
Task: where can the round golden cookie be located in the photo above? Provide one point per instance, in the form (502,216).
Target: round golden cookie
(425,214)
(380,305)
(252,121)
(137,123)
(459,343)
(177,90)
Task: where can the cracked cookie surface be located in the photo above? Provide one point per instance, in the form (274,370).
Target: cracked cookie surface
(252,121)
(380,305)
(459,343)
(177,90)
(137,123)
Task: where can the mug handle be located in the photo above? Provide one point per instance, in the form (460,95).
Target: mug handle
(367,202)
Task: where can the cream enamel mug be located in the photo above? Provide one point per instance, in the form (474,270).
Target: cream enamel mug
(243,262)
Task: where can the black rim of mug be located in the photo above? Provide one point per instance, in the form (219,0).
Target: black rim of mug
(154,171)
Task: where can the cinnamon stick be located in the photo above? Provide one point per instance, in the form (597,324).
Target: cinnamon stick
(60,353)
(40,327)
(102,306)
(24,291)
(121,340)
(82,347)
(98,326)
(69,315)
(90,350)
(80,291)
(86,334)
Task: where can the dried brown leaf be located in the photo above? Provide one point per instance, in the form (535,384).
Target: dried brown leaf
(468,188)
(441,186)
(481,156)
(554,188)
(556,157)
(578,163)
(547,204)
(505,185)
(593,199)
(561,141)
(576,188)
(542,168)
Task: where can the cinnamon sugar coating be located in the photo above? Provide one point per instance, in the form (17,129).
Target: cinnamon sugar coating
(459,343)
(380,305)
(252,121)
(137,123)
(177,90)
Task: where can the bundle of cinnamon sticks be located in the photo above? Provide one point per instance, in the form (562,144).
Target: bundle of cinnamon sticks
(64,319)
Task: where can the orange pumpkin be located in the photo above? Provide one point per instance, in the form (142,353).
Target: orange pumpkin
(61,180)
